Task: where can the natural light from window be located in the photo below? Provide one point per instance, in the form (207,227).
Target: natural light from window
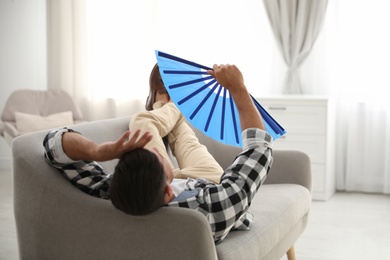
(123,35)
(348,60)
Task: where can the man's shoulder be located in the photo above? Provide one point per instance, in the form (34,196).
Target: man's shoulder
(186,199)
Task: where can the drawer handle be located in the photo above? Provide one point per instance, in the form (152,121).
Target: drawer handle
(277,108)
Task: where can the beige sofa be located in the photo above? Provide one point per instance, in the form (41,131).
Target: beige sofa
(55,220)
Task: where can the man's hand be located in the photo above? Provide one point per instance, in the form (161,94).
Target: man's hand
(111,150)
(228,76)
(78,147)
(231,78)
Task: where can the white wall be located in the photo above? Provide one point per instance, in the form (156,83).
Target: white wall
(23,53)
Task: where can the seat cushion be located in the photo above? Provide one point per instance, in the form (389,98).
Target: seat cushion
(280,213)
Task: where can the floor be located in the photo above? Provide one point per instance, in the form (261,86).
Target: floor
(348,226)
(8,243)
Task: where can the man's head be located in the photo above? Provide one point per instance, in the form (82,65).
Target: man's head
(139,185)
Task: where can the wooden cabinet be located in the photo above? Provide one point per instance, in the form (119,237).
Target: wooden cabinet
(310,125)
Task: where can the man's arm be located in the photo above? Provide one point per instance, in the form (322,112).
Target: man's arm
(229,202)
(78,164)
(231,78)
(78,147)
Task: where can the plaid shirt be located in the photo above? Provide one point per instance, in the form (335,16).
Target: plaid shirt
(225,205)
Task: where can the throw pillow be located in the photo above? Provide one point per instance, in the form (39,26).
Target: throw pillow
(28,122)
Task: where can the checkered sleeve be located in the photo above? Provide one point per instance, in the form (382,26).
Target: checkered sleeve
(88,176)
(226,205)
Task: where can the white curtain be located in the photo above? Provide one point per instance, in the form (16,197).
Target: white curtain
(72,62)
(296,25)
(349,62)
(357,54)
(102,51)
(66,52)
(367,141)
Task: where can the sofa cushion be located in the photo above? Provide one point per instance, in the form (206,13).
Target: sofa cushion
(281,208)
(28,122)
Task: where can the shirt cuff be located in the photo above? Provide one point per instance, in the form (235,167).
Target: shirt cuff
(56,147)
(255,137)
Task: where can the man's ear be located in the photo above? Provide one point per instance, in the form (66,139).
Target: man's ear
(169,195)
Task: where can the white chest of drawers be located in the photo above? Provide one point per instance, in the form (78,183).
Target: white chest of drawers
(310,125)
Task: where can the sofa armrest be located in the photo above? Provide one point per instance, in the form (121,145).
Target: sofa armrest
(10,129)
(290,166)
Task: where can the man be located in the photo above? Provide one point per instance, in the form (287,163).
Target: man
(142,180)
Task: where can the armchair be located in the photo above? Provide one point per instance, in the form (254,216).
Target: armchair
(30,110)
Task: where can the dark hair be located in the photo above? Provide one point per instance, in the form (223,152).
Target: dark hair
(137,186)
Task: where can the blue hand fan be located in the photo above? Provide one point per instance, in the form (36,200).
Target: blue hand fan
(206,104)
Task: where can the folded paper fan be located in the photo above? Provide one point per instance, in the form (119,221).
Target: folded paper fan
(206,104)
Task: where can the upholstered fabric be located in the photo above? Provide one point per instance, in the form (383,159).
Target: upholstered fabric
(57,221)
(39,102)
(27,103)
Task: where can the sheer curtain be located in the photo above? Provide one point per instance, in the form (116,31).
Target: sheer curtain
(367,142)
(76,65)
(355,49)
(349,63)
(296,25)
(102,51)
